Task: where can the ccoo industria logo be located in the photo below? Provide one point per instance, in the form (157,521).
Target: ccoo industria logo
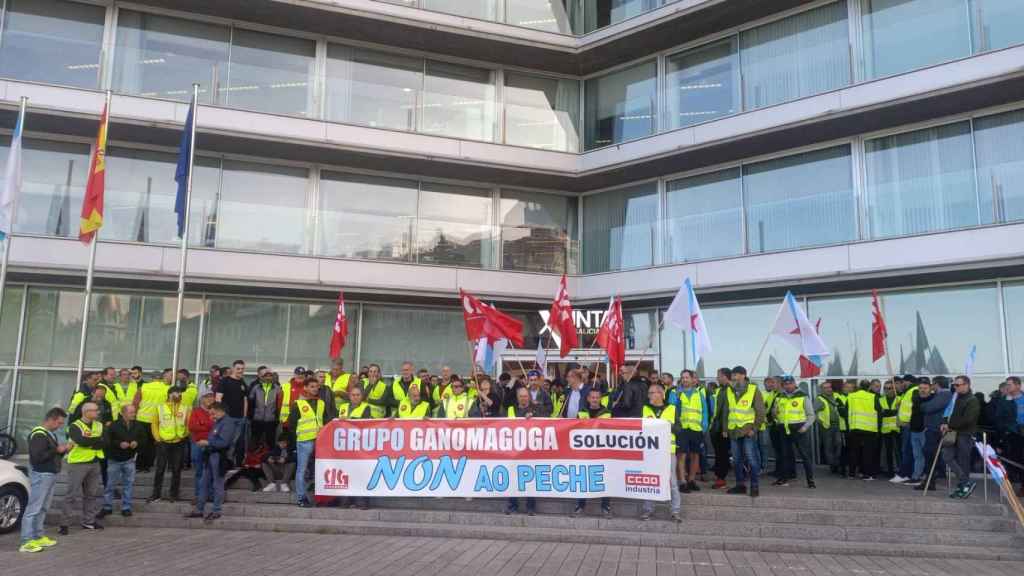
(640,483)
(335,479)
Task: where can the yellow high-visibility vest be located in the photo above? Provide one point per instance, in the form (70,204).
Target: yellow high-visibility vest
(692,417)
(154,393)
(310,421)
(172,422)
(81,454)
(741,411)
(418,412)
(457,406)
(862,413)
(906,409)
(889,423)
(668,414)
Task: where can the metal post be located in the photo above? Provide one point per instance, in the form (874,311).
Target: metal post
(984,466)
(85,307)
(184,235)
(5,258)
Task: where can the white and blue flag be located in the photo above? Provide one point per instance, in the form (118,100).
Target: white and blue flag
(12,182)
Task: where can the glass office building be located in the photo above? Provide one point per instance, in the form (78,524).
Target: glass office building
(830,147)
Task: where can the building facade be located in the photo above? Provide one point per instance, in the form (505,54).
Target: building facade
(401,150)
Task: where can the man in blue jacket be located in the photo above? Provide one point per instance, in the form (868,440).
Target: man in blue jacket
(933,410)
(215,450)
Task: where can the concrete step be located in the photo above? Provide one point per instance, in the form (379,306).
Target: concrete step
(651,533)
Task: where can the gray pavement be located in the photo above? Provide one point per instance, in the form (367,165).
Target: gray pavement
(180,552)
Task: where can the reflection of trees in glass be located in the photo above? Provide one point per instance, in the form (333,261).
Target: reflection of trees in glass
(924,358)
(530,248)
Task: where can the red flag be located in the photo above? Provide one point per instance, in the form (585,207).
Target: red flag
(484,321)
(560,320)
(340,333)
(612,336)
(92,204)
(878,330)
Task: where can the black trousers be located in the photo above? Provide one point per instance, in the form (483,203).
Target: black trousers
(265,432)
(168,456)
(721,447)
(775,434)
(1013,448)
(146,452)
(795,444)
(889,448)
(862,453)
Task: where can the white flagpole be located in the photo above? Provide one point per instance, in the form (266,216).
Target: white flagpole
(184,235)
(14,212)
(89,272)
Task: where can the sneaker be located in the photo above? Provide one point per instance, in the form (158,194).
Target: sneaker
(969,488)
(46,542)
(269,487)
(577,511)
(781,482)
(285,488)
(31,546)
(811,484)
(126,513)
(737,489)
(684,488)
(104,512)
(693,486)
(867,478)
(62,530)
(645,516)
(912,482)
(676,518)
(897,479)
(308,504)
(211,517)
(719,483)
(754,492)
(91,525)
(154,500)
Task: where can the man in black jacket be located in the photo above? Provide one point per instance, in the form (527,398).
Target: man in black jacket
(44,454)
(963,423)
(123,439)
(628,400)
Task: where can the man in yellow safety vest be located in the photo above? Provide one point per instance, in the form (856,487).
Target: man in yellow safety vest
(336,379)
(691,404)
(413,407)
(889,438)
(592,409)
(87,437)
(170,430)
(864,413)
(458,403)
(376,391)
(744,414)
(149,396)
(305,419)
(795,415)
(656,407)
(826,412)
(399,388)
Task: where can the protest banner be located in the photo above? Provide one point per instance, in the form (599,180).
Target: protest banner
(558,458)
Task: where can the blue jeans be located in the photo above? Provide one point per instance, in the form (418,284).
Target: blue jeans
(917,447)
(746,449)
(197,466)
(39,496)
(304,454)
(213,483)
(908,458)
(119,473)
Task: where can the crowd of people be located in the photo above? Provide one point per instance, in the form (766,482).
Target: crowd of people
(119,423)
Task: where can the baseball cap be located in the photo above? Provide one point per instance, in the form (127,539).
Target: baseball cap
(533,373)
(299,370)
(787,378)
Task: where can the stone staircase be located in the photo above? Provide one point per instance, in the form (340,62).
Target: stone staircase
(841,517)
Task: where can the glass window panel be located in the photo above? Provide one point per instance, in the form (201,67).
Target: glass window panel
(547,15)
(454,226)
(921,181)
(903,35)
(996,23)
(1013,301)
(807,53)
(801,200)
(846,328)
(53,327)
(52,41)
(542,112)
(931,331)
(702,84)
(206,177)
(367,216)
(427,337)
(139,197)
(999,146)
(536,230)
(705,216)
(458,101)
(619,228)
(737,332)
(271,73)
(641,329)
(129,329)
(372,88)
(10,315)
(674,349)
(156,331)
(243,329)
(622,105)
(479,9)
(601,13)
(162,57)
(54,176)
(38,391)
(6,384)
(310,327)
(262,208)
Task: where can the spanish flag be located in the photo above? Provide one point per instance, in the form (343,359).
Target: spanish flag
(92,204)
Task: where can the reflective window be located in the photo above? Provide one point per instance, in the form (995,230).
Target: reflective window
(702,84)
(807,53)
(54,176)
(454,226)
(641,329)
(458,101)
(479,9)
(536,231)
(10,313)
(547,15)
(162,57)
(1013,301)
(704,216)
(999,146)
(542,112)
(139,197)
(801,200)
(622,105)
(601,13)
(262,208)
(921,181)
(996,23)
(310,326)
(270,73)
(902,35)
(674,349)
(129,329)
(202,229)
(367,216)
(251,330)
(53,328)
(438,338)
(52,41)
(619,228)
(38,391)
(737,332)
(846,328)
(6,384)
(373,88)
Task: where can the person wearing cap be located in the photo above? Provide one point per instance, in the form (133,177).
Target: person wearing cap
(743,413)
(656,407)
(795,416)
(592,408)
(458,403)
(538,395)
(170,429)
(290,392)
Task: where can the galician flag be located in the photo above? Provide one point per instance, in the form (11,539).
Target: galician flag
(792,325)
(12,182)
(92,204)
(995,466)
(685,314)
(971,357)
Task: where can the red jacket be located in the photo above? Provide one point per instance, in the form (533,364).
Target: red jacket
(295,393)
(199,424)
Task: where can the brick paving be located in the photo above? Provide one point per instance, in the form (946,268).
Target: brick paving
(181,552)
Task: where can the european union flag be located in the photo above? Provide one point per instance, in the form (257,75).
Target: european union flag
(181,173)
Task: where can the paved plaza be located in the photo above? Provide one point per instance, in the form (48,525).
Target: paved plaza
(177,552)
